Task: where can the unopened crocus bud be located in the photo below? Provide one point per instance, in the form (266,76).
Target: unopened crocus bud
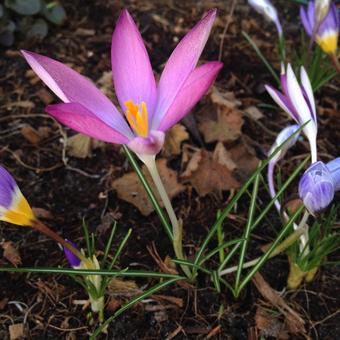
(72,259)
(265,8)
(316,187)
(14,207)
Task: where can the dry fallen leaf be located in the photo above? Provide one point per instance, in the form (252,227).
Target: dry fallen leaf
(245,160)
(173,139)
(120,287)
(224,121)
(253,112)
(81,146)
(30,134)
(105,84)
(295,323)
(16,331)
(35,136)
(11,253)
(211,171)
(45,96)
(269,324)
(129,189)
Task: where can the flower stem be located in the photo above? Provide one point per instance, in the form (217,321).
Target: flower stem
(39,226)
(335,61)
(272,191)
(150,163)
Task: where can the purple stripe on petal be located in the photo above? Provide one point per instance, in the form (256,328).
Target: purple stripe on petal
(70,86)
(8,187)
(193,89)
(181,63)
(283,102)
(316,187)
(80,119)
(131,69)
(72,259)
(308,92)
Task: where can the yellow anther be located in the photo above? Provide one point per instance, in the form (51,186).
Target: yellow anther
(138,120)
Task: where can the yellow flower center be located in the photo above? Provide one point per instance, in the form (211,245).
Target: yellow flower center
(328,43)
(19,212)
(137,116)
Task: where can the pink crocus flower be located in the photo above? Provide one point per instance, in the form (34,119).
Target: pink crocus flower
(148,108)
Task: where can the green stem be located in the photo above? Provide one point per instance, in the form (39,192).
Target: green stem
(149,192)
(150,163)
(39,226)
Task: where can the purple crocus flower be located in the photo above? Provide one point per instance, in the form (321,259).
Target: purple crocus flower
(265,8)
(72,259)
(149,109)
(298,101)
(319,184)
(322,27)
(14,207)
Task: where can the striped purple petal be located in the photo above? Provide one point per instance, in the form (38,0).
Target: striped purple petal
(8,187)
(72,259)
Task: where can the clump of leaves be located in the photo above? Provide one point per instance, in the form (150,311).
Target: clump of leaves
(29,18)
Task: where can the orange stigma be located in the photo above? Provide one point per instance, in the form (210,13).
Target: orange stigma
(138,119)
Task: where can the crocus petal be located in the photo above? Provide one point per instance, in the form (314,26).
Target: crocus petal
(282,137)
(316,187)
(309,92)
(296,96)
(80,119)
(334,167)
(305,21)
(131,69)
(70,86)
(282,101)
(193,89)
(7,188)
(180,65)
(14,207)
(72,259)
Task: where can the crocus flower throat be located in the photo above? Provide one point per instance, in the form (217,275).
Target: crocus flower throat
(137,116)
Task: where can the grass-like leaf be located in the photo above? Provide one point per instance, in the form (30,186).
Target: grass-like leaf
(131,303)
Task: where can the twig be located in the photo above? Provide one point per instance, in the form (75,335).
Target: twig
(231,13)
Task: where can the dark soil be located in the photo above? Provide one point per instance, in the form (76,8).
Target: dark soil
(45,303)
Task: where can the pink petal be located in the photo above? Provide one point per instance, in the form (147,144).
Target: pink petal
(181,63)
(193,89)
(131,69)
(80,119)
(70,86)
